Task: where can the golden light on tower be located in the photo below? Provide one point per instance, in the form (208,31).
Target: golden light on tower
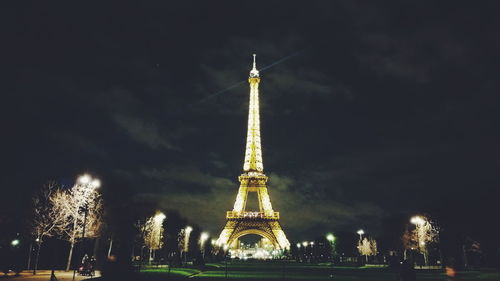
(265,221)
(253,152)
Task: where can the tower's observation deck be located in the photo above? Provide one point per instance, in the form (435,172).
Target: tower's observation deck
(253,215)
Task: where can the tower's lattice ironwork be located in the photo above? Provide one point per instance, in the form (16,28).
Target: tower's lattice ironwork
(265,221)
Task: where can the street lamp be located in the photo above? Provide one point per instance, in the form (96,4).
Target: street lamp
(84,179)
(203,237)
(15,242)
(89,184)
(331,238)
(298,245)
(88,181)
(95,183)
(360,232)
(187,232)
(159,217)
(419,222)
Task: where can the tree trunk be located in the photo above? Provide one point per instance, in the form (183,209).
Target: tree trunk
(111,246)
(37,255)
(68,264)
(72,241)
(96,246)
(29,255)
(464,253)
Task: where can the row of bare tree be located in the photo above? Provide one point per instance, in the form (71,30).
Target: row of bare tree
(419,238)
(367,247)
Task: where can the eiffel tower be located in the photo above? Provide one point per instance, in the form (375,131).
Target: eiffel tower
(239,221)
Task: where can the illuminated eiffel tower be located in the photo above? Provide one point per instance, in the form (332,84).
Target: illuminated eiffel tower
(239,221)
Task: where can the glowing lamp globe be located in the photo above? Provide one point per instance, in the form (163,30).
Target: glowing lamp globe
(84,179)
(330,237)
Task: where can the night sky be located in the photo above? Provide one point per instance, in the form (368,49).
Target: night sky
(380,110)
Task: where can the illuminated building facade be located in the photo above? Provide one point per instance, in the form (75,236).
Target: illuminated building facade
(265,221)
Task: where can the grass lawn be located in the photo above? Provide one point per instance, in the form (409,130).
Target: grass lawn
(275,270)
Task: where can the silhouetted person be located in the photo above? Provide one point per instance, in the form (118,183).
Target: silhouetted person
(407,272)
(393,261)
(450,270)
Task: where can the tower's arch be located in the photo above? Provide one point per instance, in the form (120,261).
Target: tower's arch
(262,233)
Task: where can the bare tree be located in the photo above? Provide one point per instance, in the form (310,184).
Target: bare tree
(419,238)
(81,207)
(153,233)
(46,220)
(367,247)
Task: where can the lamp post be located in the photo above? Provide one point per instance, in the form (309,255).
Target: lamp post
(304,244)
(144,245)
(225,247)
(203,237)
(360,233)
(187,233)
(158,219)
(331,239)
(298,251)
(89,185)
(419,222)
(311,243)
(360,244)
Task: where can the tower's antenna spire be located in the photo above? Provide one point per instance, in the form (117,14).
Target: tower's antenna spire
(254,72)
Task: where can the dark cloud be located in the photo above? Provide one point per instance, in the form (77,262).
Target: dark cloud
(377,108)
(216,195)
(189,176)
(143,131)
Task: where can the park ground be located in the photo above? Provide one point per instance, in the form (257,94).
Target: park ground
(44,275)
(250,270)
(271,270)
